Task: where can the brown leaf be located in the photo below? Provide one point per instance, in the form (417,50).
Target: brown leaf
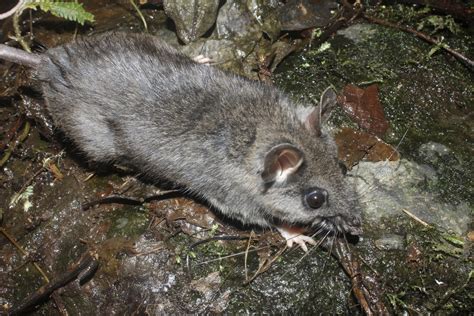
(193,213)
(363,106)
(353,146)
(414,255)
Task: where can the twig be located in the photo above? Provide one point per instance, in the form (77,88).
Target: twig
(16,27)
(422,222)
(59,304)
(266,265)
(12,10)
(140,14)
(424,37)
(23,252)
(366,289)
(214,238)
(88,263)
(18,140)
(11,132)
(233,255)
(454,8)
(121,199)
(246,255)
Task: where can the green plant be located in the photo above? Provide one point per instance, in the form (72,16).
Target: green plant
(71,10)
(439,23)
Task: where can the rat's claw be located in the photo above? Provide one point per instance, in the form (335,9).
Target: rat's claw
(301,240)
(296,236)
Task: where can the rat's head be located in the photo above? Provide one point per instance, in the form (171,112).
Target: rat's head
(303,181)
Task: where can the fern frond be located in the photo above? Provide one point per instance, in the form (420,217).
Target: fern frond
(71,11)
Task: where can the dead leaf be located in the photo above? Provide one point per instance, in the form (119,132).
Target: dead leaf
(193,213)
(363,106)
(353,146)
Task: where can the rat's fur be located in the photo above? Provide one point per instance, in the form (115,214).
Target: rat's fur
(133,99)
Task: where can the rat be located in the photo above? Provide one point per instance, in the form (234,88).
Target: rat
(242,145)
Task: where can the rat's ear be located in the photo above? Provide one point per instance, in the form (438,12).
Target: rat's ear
(318,115)
(281,161)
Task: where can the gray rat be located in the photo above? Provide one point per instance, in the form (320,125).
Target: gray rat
(242,145)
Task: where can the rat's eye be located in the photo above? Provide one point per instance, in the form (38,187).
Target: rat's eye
(316,197)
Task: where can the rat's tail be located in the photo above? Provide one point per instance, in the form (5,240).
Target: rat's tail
(19,56)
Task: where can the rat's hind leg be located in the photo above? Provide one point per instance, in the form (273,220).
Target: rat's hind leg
(97,137)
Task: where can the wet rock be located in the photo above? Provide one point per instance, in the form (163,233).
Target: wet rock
(236,21)
(358,33)
(388,188)
(207,285)
(217,50)
(390,242)
(433,152)
(303,14)
(192,18)
(266,14)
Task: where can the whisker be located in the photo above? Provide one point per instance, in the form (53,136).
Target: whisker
(401,140)
(332,242)
(332,245)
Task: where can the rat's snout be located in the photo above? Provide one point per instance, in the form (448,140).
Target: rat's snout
(352,225)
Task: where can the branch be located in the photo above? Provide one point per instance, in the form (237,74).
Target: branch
(424,37)
(12,10)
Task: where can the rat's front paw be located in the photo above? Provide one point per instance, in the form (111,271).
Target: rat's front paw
(295,235)
(201,59)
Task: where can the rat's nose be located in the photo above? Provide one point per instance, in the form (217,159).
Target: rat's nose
(354,226)
(350,224)
(355,221)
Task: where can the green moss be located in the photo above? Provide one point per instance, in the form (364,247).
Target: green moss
(128,222)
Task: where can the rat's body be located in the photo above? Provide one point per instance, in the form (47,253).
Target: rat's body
(241,145)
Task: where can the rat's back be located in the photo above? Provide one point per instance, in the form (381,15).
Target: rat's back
(94,85)
(129,97)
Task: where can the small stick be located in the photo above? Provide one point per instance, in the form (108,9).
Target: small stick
(422,222)
(12,10)
(23,251)
(267,264)
(121,199)
(214,238)
(59,304)
(87,263)
(140,14)
(246,255)
(18,140)
(11,132)
(366,290)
